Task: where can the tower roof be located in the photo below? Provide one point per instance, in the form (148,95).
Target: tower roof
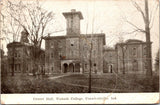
(73,11)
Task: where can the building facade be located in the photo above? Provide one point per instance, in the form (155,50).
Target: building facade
(127,57)
(110,60)
(17,58)
(78,53)
(20,59)
(71,52)
(132,55)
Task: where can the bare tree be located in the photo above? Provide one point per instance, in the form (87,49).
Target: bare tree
(148,23)
(123,49)
(33,19)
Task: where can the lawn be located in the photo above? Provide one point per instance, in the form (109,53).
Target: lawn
(78,83)
(115,83)
(30,84)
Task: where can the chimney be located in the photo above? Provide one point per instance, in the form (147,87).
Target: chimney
(73,10)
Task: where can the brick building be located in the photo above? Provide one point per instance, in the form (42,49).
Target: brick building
(110,60)
(135,58)
(131,54)
(71,52)
(20,59)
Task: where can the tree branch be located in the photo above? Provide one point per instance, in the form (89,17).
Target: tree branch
(151,21)
(136,28)
(139,9)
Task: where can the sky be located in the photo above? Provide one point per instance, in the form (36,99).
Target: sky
(105,16)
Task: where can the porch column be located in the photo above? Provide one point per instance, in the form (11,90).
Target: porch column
(81,70)
(73,67)
(61,67)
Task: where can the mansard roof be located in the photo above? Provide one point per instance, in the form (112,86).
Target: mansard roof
(134,41)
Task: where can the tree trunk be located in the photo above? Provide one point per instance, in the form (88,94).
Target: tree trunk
(147,29)
(13,51)
(90,62)
(123,61)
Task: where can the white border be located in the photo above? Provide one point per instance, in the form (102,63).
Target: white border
(79,98)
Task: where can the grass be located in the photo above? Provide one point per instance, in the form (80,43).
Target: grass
(30,84)
(78,83)
(120,83)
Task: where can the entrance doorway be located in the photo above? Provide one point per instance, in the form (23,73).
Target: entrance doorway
(71,68)
(65,67)
(110,68)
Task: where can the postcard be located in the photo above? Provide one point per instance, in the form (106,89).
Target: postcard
(79,52)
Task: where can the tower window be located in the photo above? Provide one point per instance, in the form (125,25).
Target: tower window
(71,44)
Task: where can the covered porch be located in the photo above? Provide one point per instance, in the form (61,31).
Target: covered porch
(72,66)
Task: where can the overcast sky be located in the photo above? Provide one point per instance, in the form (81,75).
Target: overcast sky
(109,18)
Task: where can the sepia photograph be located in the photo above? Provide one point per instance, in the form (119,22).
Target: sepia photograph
(76,46)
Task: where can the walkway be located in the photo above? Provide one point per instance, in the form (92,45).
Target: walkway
(55,77)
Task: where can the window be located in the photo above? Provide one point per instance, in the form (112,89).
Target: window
(51,45)
(19,67)
(71,44)
(94,52)
(72,53)
(145,65)
(85,65)
(15,67)
(11,67)
(51,55)
(19,55)
(134,51)
(144,51)
(110,55)
(135,65)
(52,68)
(15,54)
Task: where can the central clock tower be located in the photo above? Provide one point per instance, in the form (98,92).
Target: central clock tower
(73,21)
